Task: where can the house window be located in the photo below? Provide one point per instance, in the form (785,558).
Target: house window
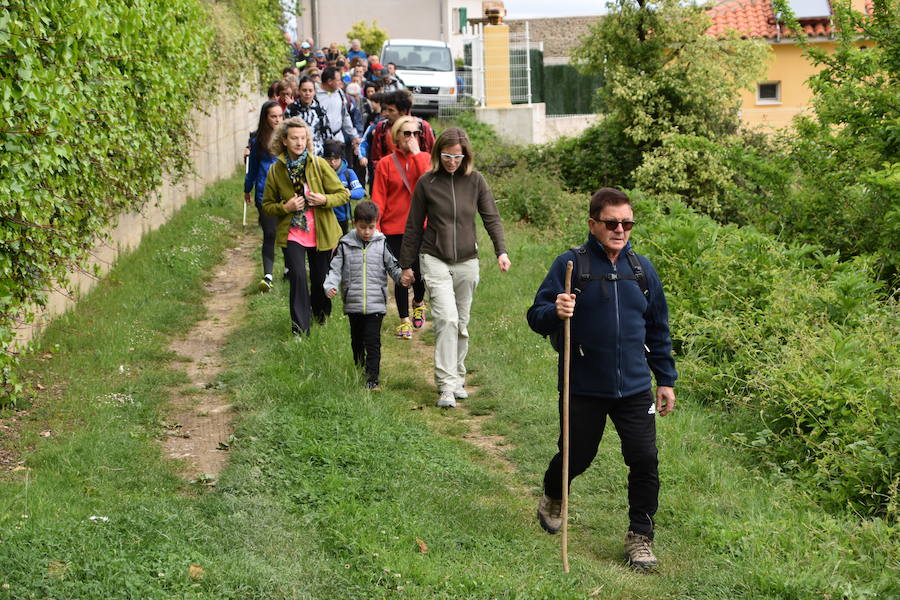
(460,18)
(768,92)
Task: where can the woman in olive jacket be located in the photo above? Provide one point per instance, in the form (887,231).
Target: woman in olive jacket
(301,189)
(449,196)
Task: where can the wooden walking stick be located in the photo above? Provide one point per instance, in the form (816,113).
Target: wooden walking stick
(567,337)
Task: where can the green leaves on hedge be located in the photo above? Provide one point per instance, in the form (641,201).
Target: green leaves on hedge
(95,108)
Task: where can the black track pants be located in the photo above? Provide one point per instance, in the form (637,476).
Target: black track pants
(635,423)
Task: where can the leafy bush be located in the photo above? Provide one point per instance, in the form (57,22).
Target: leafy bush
(737,179)
(96,102)
(247,40)
(530,197)
(779,185)
(599,157)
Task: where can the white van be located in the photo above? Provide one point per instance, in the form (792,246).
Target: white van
(427,70)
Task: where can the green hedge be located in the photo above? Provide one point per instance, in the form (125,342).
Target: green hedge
(95,107)
(567,91)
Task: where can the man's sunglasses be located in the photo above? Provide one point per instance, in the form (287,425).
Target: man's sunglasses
(612,224)
(411,133)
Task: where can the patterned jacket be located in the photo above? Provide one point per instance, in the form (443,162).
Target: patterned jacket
(315,117)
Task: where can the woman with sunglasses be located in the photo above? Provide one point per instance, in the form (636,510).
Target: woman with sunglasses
(449,197)
(395,179)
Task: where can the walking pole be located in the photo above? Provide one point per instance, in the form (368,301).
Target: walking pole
(246,170)
(567,336)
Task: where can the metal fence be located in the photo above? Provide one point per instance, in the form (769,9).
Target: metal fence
(470,75)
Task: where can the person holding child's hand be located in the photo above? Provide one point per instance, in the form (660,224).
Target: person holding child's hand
(440,235)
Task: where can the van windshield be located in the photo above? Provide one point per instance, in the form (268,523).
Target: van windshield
(418,58)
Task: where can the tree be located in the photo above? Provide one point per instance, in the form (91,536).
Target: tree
(371,37)
(848,149)
(664,75)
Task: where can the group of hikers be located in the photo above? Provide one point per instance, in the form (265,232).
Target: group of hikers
(416,226)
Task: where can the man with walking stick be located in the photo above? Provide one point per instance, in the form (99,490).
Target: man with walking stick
(619,335)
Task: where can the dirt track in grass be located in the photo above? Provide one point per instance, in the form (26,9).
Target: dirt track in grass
(418,356)
(199,423)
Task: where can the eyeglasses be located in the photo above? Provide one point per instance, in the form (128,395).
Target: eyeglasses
(612,224)
(410,133)
(452,156)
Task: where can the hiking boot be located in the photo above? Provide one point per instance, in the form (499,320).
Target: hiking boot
(638,551)
(549,514)
(446,400)
(265,284)
(404,331)
(418,315)
(460,393)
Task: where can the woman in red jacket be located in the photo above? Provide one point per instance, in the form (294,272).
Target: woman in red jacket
(395,180)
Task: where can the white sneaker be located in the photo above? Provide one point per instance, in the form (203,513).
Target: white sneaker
(460,393)
(446,400)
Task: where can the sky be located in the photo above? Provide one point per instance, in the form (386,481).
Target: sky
(530,9)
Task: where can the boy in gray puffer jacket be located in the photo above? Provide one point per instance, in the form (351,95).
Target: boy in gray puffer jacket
(361,266)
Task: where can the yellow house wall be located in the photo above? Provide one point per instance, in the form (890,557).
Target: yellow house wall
(788,66)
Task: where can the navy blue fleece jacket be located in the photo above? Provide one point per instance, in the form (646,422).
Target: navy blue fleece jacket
(618,336)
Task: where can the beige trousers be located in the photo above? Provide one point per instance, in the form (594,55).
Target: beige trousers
(450,290)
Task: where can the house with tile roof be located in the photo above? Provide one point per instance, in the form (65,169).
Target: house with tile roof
(783,93)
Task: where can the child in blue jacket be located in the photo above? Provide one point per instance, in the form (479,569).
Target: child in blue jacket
(333,152)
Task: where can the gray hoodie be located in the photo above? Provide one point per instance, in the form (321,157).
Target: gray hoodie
(361,270)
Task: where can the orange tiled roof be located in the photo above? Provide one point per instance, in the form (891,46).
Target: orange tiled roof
(756,19)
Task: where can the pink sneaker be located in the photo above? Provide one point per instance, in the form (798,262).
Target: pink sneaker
(418,316)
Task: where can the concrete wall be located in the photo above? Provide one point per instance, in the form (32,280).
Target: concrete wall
(568,125)
(423,19)
(218,144)
(528,123)
(517,124)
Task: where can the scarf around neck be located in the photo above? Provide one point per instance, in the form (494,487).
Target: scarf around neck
(297,172)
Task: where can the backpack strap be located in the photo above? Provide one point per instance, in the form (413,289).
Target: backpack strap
(402,173)
(582,269)
(638,271)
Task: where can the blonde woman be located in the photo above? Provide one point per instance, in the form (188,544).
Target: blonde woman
(395,179)
(449,197)
(301,189)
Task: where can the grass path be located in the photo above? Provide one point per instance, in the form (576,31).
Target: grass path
(330,488)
